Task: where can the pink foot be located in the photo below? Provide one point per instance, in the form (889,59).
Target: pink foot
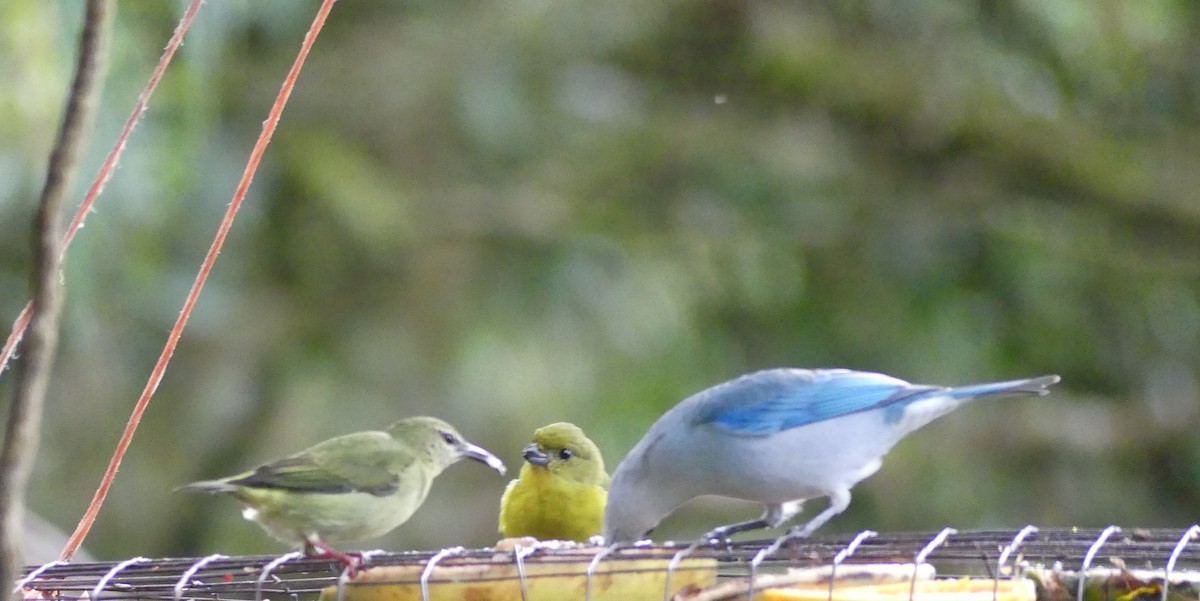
(352,561)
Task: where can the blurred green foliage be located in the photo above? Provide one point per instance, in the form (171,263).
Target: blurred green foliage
(510,213)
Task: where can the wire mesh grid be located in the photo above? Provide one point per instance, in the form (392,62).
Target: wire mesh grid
(1168,553)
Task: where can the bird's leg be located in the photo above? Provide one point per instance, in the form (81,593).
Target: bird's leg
(724,532)
(774,515)
(313,547)
(839,500)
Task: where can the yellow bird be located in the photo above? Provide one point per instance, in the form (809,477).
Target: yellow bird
(562,488)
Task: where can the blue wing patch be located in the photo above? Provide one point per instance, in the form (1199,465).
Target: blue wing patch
(778,399)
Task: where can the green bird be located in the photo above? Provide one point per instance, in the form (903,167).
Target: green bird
(562,488)
(349,488)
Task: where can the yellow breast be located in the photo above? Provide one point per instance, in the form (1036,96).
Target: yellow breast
(545,506)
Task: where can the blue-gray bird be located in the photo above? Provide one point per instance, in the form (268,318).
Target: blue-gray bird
(778,437)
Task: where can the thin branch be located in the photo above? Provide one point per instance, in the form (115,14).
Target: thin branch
(33,374)
(206,266)
(110,164)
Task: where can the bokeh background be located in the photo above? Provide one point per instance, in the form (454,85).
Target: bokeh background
(513,212)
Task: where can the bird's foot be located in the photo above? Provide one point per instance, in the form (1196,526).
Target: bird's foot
(722,536)
(319,550)
(723,533)
(719,535)
(793,534)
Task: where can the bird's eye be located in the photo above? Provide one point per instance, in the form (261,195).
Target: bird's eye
(565,454)
(449,438)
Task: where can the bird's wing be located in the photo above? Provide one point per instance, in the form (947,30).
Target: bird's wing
(369,462)
(773,400)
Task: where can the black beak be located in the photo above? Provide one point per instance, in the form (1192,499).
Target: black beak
(535,455)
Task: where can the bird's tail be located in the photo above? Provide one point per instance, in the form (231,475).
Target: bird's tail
(207,486)
(1029,386)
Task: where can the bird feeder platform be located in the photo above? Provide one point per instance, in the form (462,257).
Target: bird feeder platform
(1025,565)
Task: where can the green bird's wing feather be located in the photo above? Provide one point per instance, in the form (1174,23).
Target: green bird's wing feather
(370,462)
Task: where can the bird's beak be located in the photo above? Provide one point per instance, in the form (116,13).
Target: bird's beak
(534,455)
(482,455)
